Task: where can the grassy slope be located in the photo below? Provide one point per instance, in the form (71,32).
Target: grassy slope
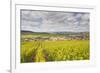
(55,50)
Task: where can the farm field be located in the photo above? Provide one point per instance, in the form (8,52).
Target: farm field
(52,36)
(43,50)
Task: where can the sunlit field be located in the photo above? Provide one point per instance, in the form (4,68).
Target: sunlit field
(53,50)
(54,36)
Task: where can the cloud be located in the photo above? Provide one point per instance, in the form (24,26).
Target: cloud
(50,21)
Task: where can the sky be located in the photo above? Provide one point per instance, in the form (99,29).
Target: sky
(54,21)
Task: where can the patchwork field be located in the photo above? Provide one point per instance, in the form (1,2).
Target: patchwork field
(47,48)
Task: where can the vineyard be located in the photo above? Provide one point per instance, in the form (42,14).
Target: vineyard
(45,51)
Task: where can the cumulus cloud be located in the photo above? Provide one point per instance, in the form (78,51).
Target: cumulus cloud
(53,21)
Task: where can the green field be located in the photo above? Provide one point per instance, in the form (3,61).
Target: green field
(59,50)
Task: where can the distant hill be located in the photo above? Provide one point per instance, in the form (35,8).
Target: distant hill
(26,32)
(31,32)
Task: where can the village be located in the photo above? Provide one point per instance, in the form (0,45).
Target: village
(57,38)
